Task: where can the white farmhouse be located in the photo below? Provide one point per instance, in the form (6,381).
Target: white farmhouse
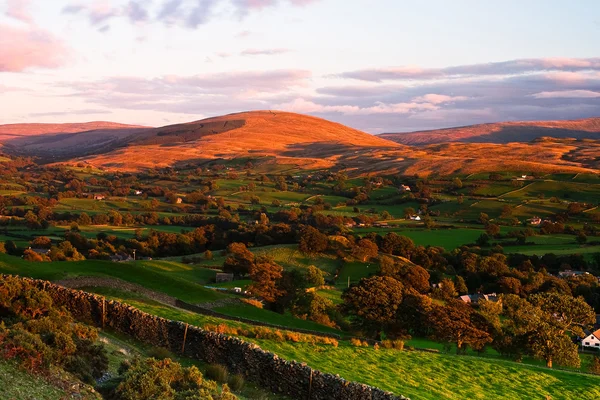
(592,340)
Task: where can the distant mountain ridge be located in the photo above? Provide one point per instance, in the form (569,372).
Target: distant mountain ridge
(502,132)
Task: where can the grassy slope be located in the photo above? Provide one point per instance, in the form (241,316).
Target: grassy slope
(172,278)
(415,374)
(16,384)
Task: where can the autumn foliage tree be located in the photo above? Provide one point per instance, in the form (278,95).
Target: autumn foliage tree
(239,259)
(374,302)
(542,325)
(312,241)
(264,274)
(456,322)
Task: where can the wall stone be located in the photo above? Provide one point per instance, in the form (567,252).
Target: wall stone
(292,378)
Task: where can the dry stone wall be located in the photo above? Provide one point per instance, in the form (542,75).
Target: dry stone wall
(294,379)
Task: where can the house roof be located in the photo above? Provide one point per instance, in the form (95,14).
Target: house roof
(596,333)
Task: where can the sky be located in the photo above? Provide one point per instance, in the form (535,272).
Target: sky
(375,65)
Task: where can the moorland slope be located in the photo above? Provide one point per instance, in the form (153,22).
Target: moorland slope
(502,132)
(306,142)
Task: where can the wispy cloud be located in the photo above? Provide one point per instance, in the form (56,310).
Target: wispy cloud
(24,48)
(567,94)
(264,52)
(19,9)
(520,66)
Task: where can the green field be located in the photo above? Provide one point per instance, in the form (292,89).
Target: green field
(572,191)
(16,384)
(421,375)
(416,374)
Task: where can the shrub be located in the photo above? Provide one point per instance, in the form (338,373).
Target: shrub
(392,344)
(595,365)
(153,379)
(358,343)
(293,337)
(236,382)
(253,302)
(217,372)
(160,353)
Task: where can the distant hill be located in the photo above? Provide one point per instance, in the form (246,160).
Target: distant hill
(502,132)
(305,142)
(288,137)
(19,130)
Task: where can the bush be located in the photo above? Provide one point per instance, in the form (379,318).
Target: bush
(236,382)
(358,343)
(253,302)
(160,353)
(168,380)
(392,344)
(595,365)
(217,372)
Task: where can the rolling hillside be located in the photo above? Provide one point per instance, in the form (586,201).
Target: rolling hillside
(53,141)
(502,132)
(306,142)
(289,138)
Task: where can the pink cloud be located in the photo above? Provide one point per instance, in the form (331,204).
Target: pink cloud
(512,67)
(567,94)
(19,9)
(438,98)
(21,49)
(307,106)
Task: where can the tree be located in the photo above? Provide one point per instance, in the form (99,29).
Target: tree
(428,222)
(595,365)
(457,183)
(413,313)
(492,230)
(398,245)
(314,276)
(541,326)
(416,277)
(374,301)
(408,211)
(483,240)
(509,285)
(507,211)
(460,285)
(41,242)
(264,274)
(446,290)
(454,323)
(312,241)
(484,218)
(581,238)
(84,219)
(365,249)
(240,259)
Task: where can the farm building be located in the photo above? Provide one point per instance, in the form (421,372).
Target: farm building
(99,197)
(404,188)
(592,340)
